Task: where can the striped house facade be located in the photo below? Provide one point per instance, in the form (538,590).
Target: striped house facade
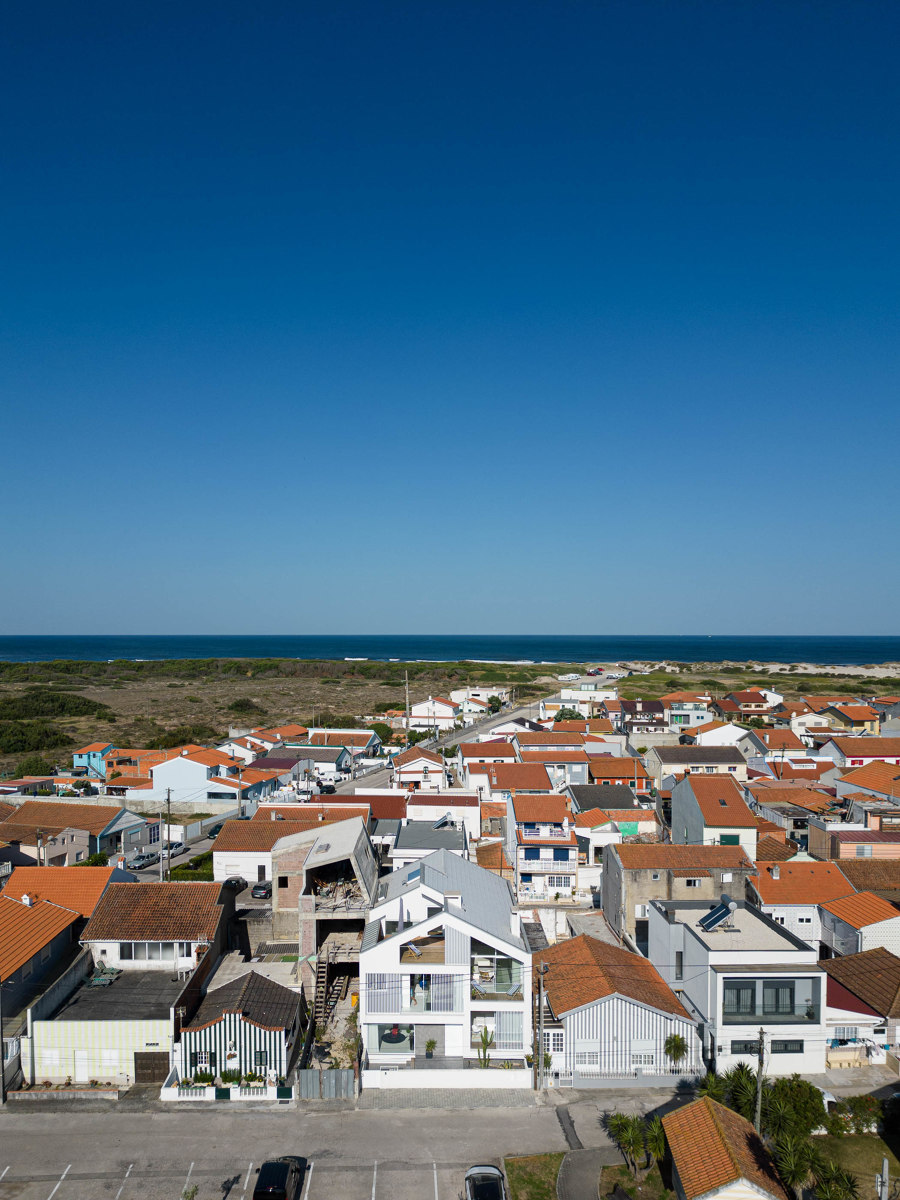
(250,1025)
(235,1044)
(616,1039)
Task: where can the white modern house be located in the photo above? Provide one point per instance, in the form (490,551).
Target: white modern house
(417,769)
(791,893)
(737,972)
(444,969)
(434,713)
(541,845)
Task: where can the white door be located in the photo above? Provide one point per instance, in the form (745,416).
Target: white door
(81,1066)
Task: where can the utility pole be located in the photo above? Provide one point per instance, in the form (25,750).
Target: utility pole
(882,1182)
(542,971)
(761,1062)
(168,826)
(2,1052)
(406,682)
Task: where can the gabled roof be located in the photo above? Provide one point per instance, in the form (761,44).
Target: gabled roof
(872,975)
(312,813)
(261,1001)
(478,750)
(861,909)
(775,850)
(712,1146)
(529,777)
(46,814)
(584,969)
(868,747)
(156,912)
(94,748)
(779,739)
(878,776)
(854,712)
(26,929)
(76,888)
(720,801)
(636,857)
(415,754)
(873,874)
(239,837)
(608,767)
(802,883)
(708,755)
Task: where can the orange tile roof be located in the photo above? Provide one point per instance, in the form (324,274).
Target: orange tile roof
(156,912)
(531,777)
(868,747)
(239,837)
(583,969)
(802,883)
(413,754)
(589,725)
(818,703)
(775,849)
(213,758)
(130,781)
(333,811)
(75,888)
(779,739)
(706,727)
(492,857)
(552,738)
(609,768)
(861,909)
(26,929)
(637,857)
(720,801)
(492,808)
(855,712)
(675,697)
(94,747)
(712,1146)
(541,809)
(878,776)
(40,814)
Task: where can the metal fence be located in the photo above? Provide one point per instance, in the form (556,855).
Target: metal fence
(326,1085)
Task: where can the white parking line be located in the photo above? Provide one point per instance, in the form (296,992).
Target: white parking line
(124,1181)
(59,1181)
(308,1180)
(436,1197)
(246,1181)
(188,1179)
(374,1178)
(5,1169)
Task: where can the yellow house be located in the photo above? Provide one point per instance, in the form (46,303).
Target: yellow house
(854,718)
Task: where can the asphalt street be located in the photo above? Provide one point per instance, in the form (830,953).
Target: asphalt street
(384,1155)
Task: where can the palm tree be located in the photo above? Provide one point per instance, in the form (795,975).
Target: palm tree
(777,1114)
(628,1135)
(797,1159)
(740,1085)
(712,1085)
(655,1138)
(675,1048)
(834,1183)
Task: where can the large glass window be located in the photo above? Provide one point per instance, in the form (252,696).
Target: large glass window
(740,999)
(494,974)
(391,1039)
(777,1000)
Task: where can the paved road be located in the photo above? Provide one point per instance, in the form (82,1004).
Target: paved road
(351,1156)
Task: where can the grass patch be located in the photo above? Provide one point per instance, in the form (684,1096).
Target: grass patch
(200,867)
(861,1154)
(650,1188)
(533,1177)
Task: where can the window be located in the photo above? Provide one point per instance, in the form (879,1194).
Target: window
(154,832)
(642,1060)
(679,964)
(261,1058)
(655,876)
(727,876)
(692,883)
(863,851)
(79,855)
(202,1058)
(27,968)
(525,878)
(744,1047)
(847,1033)
(587,1058)
(554,1041)
(184,949)
(532,853)
(804,920)
(739,999)
(710,770)
(778,998)
(126,951)
(785,1047)
(559,881)
(732,769)
(778,920)
(45,953)
(729,839)
(282,882)
(560,855)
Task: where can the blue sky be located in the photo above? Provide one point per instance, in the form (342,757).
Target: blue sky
(462,317)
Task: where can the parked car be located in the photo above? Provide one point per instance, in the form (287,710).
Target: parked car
(236,883)
(278,1179)
(486,1183)
(327,789)
(140,862)
(215,830)
(173,848)
(262,890)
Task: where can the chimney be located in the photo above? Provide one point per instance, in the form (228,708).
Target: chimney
(26,900)
(776,871)
(184,754)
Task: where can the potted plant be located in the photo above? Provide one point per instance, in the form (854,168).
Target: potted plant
(429,1047)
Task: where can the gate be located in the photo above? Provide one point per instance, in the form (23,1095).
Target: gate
(326,1085)
(150,1066)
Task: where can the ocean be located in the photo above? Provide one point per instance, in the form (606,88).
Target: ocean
(530,648)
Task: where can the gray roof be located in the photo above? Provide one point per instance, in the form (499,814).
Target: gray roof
(486,898)
(256,998)
(678,755)
(602,795)
(318,753)
(421,835)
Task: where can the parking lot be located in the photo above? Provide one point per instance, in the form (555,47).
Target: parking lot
(393,1155)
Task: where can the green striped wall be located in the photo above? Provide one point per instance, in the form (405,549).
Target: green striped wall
(234,1034)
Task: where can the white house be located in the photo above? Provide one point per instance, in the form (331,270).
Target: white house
(860,921)
(791,892)
(434,713)
(200,775)
(608,1017)
(860,751)
(444,957)
(718,1155)
(418,769)
(709,810)
(737,972)
(453,807)
(541,845)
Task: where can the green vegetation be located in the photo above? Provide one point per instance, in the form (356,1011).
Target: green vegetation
(651,1186)
(48,702)
(568,714)
(100,859)
(20,737)
(183,735)
(533,1177)
(34,764)
(199,867)
(244,707)
(383,730)
(861,1155)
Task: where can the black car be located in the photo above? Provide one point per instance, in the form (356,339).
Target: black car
(236,883)
(262,890)
(327,789)
(278,1179)
(486,1183)
(215,830)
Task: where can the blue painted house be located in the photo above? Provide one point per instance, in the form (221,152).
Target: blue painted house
(91,759)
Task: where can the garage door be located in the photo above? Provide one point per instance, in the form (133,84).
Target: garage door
(150,1066)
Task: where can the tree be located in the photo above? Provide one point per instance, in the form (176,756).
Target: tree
(34,764)
(568,714)
(713,1085)
(246,707)
(740,1085)
(495,703)
(675,1048)
(796,1159)
(792,1105)
(628,1134)
(655,1136)
(834,1183)
(383,730)
(100,859)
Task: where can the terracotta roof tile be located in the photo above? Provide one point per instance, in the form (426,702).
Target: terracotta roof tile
(861,909)
(77,888)
(528,777)
(584,969)
(239,837)
(310,814)
(802,883)
(487,750)
(42,814)
(872,975)
(610,768)
(156,912)
(720,801)
(636,857)
(869,747)
(775,849)
(413,754)
(540,809)
(712,1147)
(26,929)
(492,857)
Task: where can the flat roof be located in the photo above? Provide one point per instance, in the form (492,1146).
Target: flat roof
(746,929)
(133,996)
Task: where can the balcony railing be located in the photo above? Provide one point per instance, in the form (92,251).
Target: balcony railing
(548,832)
(553,866)
(799,1014)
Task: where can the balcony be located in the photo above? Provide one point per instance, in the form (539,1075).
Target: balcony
(423,950)
(797,1014)
(783,1001)
(544,833)
(551,865)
